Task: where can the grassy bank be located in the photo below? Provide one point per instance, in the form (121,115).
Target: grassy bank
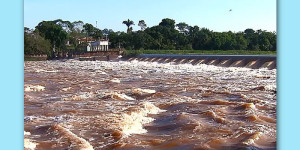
(210,52)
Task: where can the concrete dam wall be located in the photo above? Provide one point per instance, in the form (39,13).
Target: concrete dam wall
(249,61)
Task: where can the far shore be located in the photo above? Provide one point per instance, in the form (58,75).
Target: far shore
(200,52)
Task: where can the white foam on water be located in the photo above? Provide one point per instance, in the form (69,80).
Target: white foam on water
(101,72)
(253,138)
(30,118)
(119,96)
(237,79)
(27,133)
(249,106)
(29,145)
(140,91)
(149,108)
(115,80)
(270,87)
(35,88)
(133,123)
(48,71)
(135,61)
(66,89)
(78,143)
(213,73)
(80,96)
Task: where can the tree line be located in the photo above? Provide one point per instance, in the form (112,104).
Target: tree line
(53,35)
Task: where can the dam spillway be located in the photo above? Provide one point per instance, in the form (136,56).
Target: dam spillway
(248,61)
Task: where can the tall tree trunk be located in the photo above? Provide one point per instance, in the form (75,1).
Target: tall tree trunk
(53,47)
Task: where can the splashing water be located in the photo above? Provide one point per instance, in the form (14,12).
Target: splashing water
(147,105)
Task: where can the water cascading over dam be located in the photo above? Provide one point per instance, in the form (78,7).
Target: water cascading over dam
(248,61)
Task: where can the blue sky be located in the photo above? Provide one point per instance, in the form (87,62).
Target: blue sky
(212,14)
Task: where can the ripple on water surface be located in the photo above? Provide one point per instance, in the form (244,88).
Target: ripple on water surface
(147,105)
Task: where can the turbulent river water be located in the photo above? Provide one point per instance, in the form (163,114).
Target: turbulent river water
(87,105)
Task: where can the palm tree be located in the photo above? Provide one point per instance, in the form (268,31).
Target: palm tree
(128,23)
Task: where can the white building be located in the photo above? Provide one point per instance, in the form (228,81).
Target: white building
(100,45)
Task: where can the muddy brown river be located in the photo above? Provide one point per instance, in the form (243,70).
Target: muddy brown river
(85,105)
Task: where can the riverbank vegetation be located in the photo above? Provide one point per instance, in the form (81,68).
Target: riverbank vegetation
(200,52)
(166,37)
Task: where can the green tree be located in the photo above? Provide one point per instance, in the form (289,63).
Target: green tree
(216,41)
(128,23)
(192,35)
(264,41)
(202,39)
(182,42)
(162,36)
(241,42)
(170,23)
(88,29)
(52,32)
(183,27)
(75,34)
(157,37)
(142,24)
(142,40)
(249,31)
(113,39)
(252,39)
(229,41)
(97,33)
(34,44)
(272,40)
(92,31)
